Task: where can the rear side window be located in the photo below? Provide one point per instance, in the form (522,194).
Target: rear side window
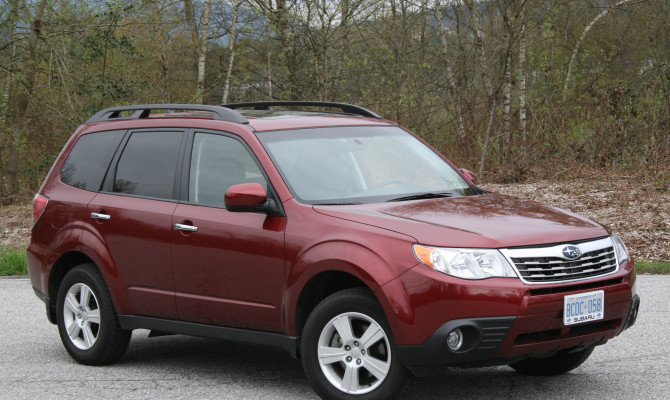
(148,164)
(87,163)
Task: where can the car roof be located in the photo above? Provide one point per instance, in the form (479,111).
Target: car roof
(297,120)
(260,117)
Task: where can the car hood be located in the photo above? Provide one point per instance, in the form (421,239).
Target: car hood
(485,221)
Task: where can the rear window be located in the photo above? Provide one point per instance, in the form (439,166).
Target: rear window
(87,163)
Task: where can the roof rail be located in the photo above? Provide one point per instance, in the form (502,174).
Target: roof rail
(265,105)
(143,111)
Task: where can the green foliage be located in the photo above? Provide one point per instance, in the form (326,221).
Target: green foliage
(385,56)
(654,268)
(13,262)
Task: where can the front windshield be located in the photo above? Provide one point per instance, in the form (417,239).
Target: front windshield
(359,164)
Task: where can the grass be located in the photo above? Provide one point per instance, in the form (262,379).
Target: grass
(654,268)
(13,262)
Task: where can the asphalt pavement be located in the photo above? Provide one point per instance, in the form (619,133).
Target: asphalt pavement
(34,364)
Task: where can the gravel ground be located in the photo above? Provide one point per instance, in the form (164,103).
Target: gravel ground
(638,212)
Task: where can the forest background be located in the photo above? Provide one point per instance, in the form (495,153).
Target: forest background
(513,89)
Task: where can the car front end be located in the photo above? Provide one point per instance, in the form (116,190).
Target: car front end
(482,317)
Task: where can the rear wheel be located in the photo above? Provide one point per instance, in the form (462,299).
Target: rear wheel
(348,350)
(87,322)
(555,365)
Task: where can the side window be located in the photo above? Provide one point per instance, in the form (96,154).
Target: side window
(217,163)
(87,163)
(148,164)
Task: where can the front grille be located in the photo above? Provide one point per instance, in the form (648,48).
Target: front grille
(545,265)
(550,269)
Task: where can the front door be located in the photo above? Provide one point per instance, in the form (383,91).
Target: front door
(228,266)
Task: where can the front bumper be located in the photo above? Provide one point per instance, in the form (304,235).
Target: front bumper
(502,320)
(485,342)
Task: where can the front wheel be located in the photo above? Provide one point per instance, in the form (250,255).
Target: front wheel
(87,322)
(348,350)
(555,365)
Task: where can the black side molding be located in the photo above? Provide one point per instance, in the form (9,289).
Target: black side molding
(50,305)
(265,105)
(274,339)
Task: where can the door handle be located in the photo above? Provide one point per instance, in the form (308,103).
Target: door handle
(104,217)
(187,228)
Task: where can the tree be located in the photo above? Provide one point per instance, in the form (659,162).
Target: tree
(23,92)
(451,81)
(231,51)
(202,53)
(588,27)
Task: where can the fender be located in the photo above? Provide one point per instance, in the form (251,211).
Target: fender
(336,255)
(94,247)
(65,240)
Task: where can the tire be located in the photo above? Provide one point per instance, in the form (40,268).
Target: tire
(555,365)
(87,322)
(347,336)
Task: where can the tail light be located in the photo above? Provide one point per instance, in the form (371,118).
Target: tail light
(39,205)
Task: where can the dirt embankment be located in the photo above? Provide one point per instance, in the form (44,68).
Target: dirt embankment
(638,212)
(15,222)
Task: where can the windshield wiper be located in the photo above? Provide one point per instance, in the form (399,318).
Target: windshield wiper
(336,203)
(421,196)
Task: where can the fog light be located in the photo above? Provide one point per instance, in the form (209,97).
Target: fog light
(455,339)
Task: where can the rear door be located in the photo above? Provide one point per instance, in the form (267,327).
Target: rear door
(228,266)
(133,214)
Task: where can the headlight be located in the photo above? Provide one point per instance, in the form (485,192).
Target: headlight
(620,248)
(465,263)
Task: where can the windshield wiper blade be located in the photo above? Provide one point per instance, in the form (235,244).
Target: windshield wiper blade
(336,203)
(421,196)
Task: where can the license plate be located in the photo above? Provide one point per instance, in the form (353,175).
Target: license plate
(583,307)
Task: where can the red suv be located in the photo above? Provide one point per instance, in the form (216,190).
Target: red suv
(336,235)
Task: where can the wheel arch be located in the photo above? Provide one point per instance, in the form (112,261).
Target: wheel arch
(91,250)
(60,268)
(328,268)
(318,288)
(95,248)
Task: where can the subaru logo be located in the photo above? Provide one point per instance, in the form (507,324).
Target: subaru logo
(571,252)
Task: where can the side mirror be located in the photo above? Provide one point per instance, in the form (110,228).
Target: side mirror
(245,195)
(469,176)
(250,197)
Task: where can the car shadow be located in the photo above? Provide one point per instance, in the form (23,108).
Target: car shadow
(185,357)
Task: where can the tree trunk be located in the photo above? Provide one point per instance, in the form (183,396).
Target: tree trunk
(192,26)
(269,60)
(10,75)
(202,54)
(451,81)
(522,82)
(23,97)
(575,50)
(487,137)
(231,51)
(507,82)
(479,47)
(277,12)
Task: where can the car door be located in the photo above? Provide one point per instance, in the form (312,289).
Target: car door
(228,266)
(133,215)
